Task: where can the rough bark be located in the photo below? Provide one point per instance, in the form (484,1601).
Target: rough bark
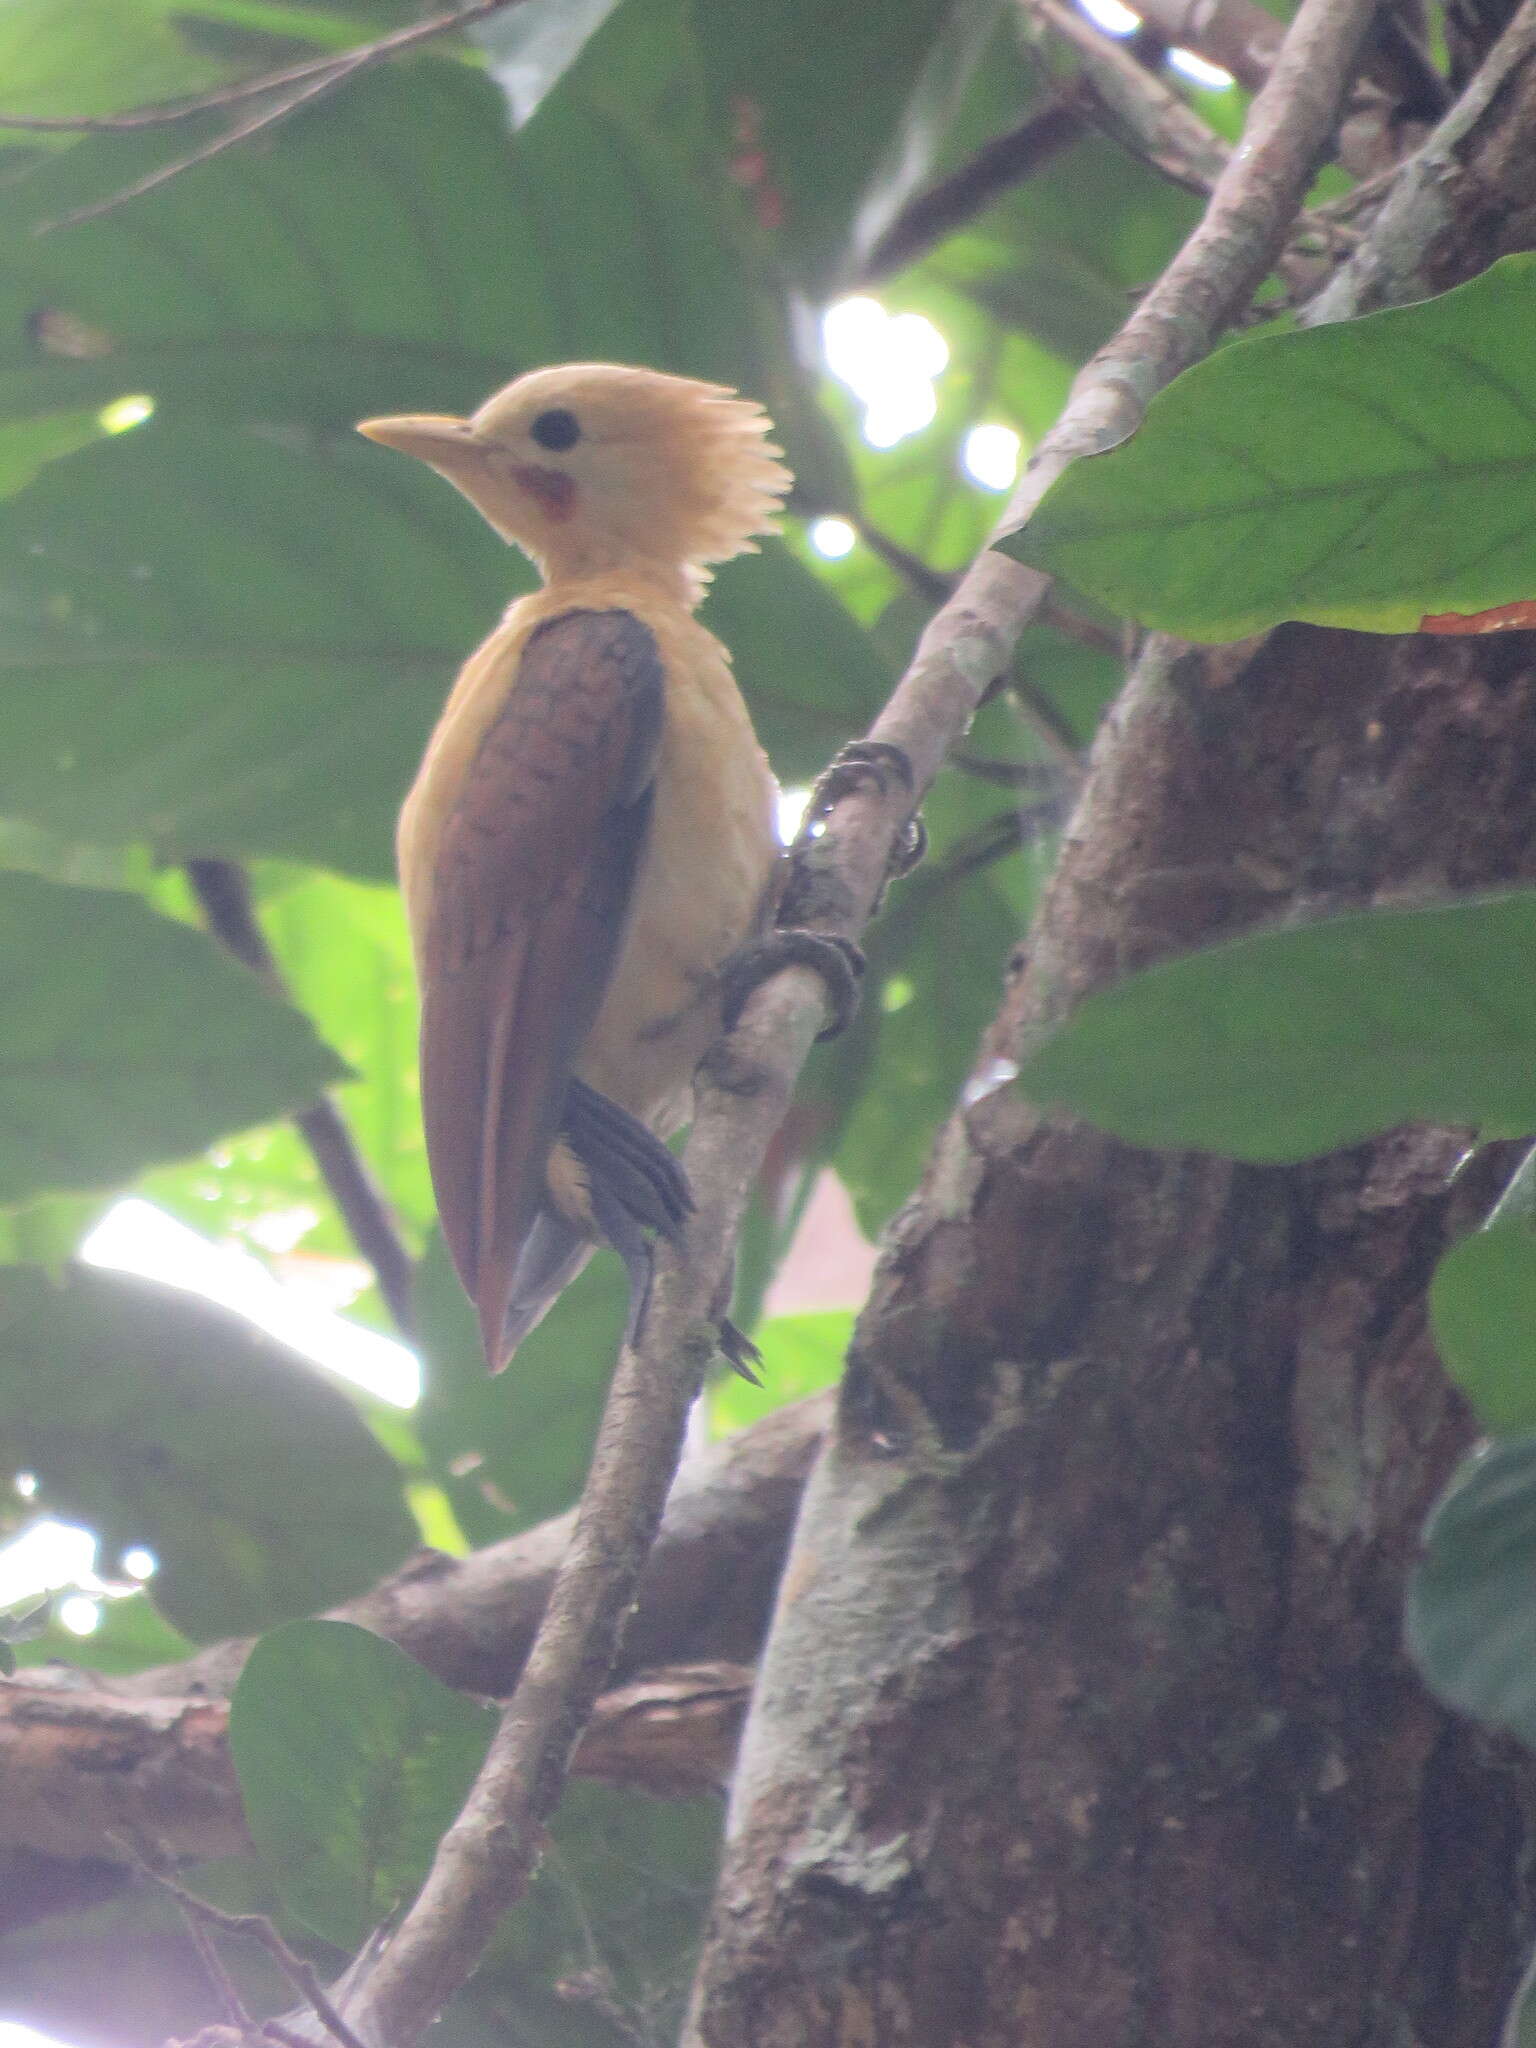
(1084,1718)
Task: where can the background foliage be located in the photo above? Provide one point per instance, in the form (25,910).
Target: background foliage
(225,629)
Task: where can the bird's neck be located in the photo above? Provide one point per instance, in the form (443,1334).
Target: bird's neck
(577,565)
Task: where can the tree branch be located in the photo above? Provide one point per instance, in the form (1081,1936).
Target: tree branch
(223,892)
(743,1090)
(1133,104)
(1001,163)
(91,1761)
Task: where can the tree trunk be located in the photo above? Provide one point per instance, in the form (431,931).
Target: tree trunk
(1084,1719)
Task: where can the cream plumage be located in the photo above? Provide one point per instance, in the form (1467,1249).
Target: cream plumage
(591,834)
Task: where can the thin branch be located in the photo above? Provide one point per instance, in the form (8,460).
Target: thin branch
(168,113)
(1388,269)
(1239,35)
(484,1861)
(933,586)
(318,78)
(999,165)
(1138,108)
(301,1974)
(223,892)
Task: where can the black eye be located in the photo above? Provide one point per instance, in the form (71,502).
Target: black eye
(556,430)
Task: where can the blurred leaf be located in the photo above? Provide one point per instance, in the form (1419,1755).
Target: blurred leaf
(511,1450)
(1482,1305)
(160,1419)
(352,1760)
(530,47)
(801,1353)
(21,1625)
(1471,1623)
(1411,490)
(1288,1043)
(185,673)
(343,270)
(131,1636)
(811,675)
(93,57)
(344,951)
(615,1912)
(186,670)
(103,1067)
(804,166)
(28,445)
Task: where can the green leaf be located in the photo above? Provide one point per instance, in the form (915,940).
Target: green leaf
(131,1635)
(344,952)
(803,165)
(220,644)
(344,269)
(1288,1043)
(511,1450)
(618,1904)
(93,57)
(160,1419)
(125,1038)
(352,1760)
(1361,474)
(223,645)
(1482,1306)
(1471,1619)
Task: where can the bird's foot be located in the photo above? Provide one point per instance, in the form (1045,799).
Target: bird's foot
(880,763)
(838,961)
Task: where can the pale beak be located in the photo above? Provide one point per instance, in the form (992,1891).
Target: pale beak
(436,438)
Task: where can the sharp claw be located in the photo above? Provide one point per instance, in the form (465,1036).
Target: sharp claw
(838,961)
(739,1352)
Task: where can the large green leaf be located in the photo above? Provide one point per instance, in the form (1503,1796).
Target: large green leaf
(161,1419)
(1471,1619)
(219,641)
(1360,474)
(1288,1043)
(352,1760)
(125,1039)
(1482,1305)
(222,644)
(93,56)
(348,268)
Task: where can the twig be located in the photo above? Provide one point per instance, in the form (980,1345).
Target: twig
(933,586)
(996,167)
(1239,35)
(319,77)
(223,892)
(168,113)
(1132,103)
(255,1927)
(743,1089)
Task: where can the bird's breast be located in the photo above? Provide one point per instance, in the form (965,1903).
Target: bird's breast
(702,890)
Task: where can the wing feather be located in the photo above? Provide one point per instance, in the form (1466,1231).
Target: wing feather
(530,896)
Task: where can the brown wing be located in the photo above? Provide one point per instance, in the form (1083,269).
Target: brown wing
(529,898)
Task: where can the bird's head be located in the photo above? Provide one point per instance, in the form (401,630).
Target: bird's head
(594,467)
